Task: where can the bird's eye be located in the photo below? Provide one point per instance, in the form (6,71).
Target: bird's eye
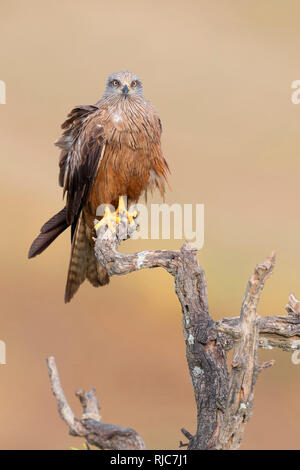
(116,83)
(134,84)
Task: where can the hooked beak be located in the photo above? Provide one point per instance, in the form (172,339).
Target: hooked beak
(125,90)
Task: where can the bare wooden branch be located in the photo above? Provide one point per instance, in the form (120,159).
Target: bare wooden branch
(224,401)
(90,426)
(244,366)
(204,349)
(278,331)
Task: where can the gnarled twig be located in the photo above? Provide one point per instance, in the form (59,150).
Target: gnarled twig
(224,400)
(90,426)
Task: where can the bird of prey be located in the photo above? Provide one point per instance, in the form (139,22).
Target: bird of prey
(108,150)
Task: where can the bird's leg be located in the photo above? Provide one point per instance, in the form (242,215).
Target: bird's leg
(110,217)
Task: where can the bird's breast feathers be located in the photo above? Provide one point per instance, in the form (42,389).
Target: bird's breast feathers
(130,124)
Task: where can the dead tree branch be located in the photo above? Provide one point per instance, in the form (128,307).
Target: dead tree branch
(224,399)
(278,331)
(90,426)
(244,365)
(204,349)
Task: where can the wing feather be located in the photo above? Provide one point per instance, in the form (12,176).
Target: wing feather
(82,145)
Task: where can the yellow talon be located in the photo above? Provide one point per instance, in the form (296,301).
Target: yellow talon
(122,207)
(107,219)
(122,210)
(115,217)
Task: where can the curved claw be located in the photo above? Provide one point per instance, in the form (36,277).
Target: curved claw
(110,217)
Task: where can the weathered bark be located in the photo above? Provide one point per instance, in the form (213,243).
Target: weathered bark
(244,365)
(224,400)
(89,426)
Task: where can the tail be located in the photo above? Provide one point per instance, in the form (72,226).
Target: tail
(83,263)
(49,232)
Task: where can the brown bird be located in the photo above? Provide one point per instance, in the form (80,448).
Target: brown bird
(108,150)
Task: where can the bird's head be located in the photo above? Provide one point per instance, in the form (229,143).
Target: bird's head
(125,84)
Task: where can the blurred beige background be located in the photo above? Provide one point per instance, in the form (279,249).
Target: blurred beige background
(220,74)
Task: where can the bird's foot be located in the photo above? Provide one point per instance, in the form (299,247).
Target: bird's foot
(111,219)
(123,212)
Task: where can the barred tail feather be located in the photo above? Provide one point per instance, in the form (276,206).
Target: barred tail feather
(78,260)
(95,273)
(83,263)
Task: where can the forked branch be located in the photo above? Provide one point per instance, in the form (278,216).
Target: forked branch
(224,400)
(90,426)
